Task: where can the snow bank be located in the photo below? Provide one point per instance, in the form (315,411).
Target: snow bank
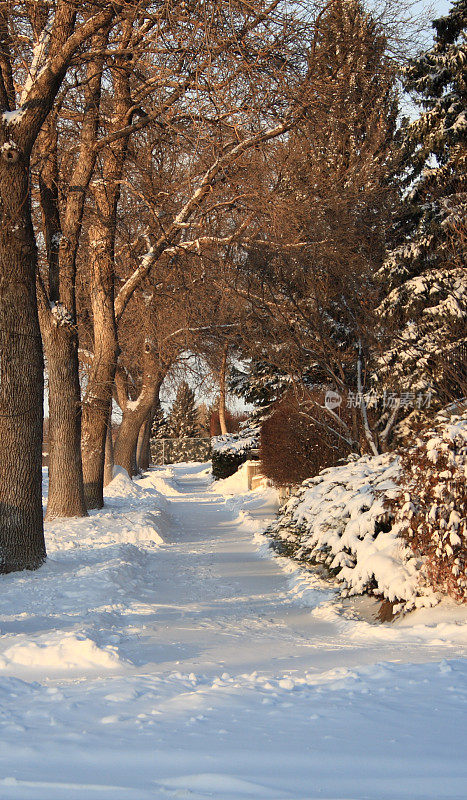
(62,619)
(135,513)
(59,652)
(339,519)
(234,484)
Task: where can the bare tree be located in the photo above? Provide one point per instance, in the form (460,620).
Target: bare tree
(62,199)
(209,93)
(149,360)
(308,271)
(105,192)
(63,32)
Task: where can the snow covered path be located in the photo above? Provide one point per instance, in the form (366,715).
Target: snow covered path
(194,665)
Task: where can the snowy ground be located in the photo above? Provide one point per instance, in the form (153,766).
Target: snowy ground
(162,652)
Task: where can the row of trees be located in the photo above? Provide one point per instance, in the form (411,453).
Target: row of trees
(209,180)
(120,124)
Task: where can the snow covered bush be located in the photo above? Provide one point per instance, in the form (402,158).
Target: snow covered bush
(431,513)
(427,316)
(233,449)
(340,520)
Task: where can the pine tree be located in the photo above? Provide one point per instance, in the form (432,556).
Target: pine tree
(259,383)
(426,305)
(182,422)
(159,425)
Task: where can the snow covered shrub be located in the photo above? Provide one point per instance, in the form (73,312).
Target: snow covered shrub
(233,449)
(340,522)
(293,446)
(226,462)
(175,451)
(431,513)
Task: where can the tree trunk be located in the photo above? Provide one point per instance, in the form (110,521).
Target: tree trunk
(66,495)
(21,374)
(134,463)
(96,407)
(22,368)
(143,448)
(135,413)
(109,453)
(106,193)
(97,401)
(222,389)
(127,437)
(59,333)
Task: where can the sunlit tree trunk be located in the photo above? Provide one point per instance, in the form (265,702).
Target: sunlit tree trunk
(21,374)
(143,447)
(21,378)
(109,453)
(98,397)
(135,413)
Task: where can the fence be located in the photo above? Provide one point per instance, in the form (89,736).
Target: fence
(172,451)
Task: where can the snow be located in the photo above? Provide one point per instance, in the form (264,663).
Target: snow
(60,314)
(58,652)
(234,484)
(243,441)
(132,405)
(163,651)
(431,331)
(334,519)
(13,117)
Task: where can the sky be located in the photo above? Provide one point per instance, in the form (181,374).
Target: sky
(436,8)
(440,6)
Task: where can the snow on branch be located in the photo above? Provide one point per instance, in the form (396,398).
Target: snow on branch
(38,62)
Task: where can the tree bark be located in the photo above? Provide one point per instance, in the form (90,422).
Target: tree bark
(22,369)
(143,448)
(66,493)
(98,397)
(109,453)
(22,543)
(106,192)
(135,413)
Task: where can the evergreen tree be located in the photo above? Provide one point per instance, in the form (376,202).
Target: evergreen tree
(159,425)
(425,308)
(259,383)
(183,419)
